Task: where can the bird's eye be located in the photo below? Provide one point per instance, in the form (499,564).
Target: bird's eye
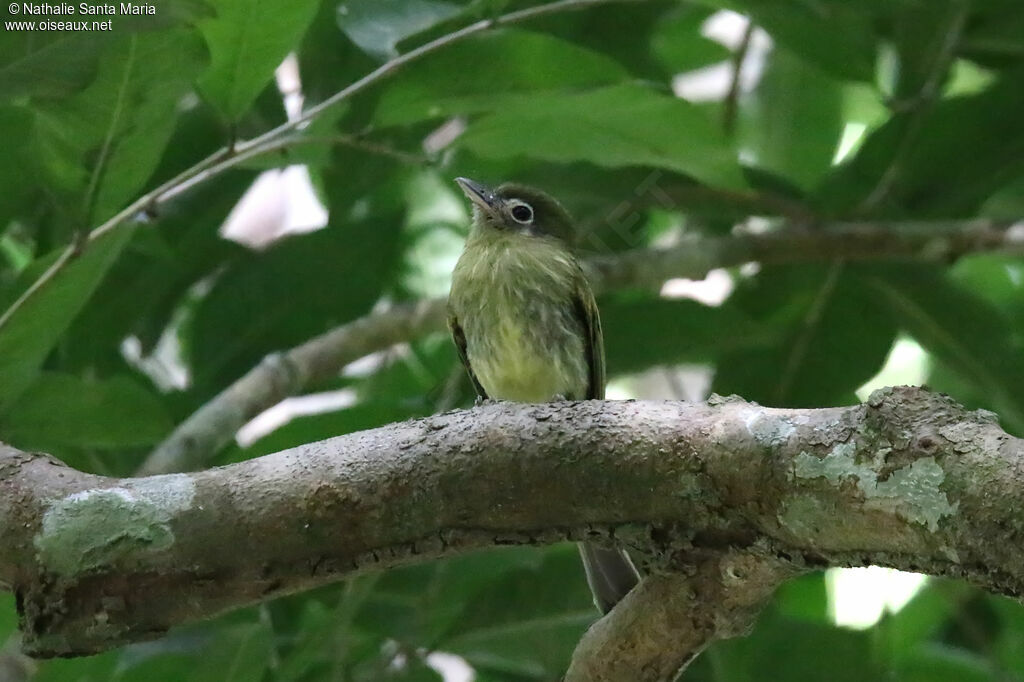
(522,213)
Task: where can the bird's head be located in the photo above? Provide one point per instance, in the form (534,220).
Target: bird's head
(518,208)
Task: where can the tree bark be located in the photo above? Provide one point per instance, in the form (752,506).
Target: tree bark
(668,619)
(908,479)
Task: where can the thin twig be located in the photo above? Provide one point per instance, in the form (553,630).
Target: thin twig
(357,142)
(754,202)
(144,203)
(228,157)
(731,103)
(101,160)
(921,105)
(70,252)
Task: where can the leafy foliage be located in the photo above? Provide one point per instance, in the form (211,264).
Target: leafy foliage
(148,322)
(247,41)
(599,126)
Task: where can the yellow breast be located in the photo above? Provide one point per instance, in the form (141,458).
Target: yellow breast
(524,340)
(518,364)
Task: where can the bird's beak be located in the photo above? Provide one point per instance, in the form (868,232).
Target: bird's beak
(479,195)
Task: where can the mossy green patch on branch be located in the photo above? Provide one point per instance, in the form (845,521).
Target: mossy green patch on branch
(98,527)
(913,492)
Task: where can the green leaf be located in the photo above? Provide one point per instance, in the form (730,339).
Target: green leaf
(792,122)
(922,47)
(228,650)
(169,13)
(162,666)
(796,651)
(832,338)
(836,35)
(646,332)
(411,380)
(328,61)
(8,617)
(527,622)
(1007,203)
(521,61)
(601,28)
(902,636)
(29,335)
(100,668)
(602,126)
(314,636)
(996,277)
(248,39)
(238,653)
(938,663)
(805,598)
(995,35)
(62,409)
(300,287)
(961,329)
(377,26)
(35,66)
(934,177)
(419,605)
(1006,649)
(15,128)
(98,148)
(154,276)
(677,41)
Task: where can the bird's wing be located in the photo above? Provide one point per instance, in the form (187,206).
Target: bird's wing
(610,572)
(460,344)
(590,319)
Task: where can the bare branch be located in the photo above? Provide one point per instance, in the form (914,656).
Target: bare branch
(203,434)
(909,480)
(669,619)
(195,442)
(730,106)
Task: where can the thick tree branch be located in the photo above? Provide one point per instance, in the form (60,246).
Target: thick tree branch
(665,623)
(197,440)
(909,480)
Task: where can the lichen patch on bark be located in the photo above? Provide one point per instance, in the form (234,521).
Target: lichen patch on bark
(912,492)
(770,431)
(97,527)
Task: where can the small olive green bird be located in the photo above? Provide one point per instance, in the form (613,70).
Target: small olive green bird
(525,323)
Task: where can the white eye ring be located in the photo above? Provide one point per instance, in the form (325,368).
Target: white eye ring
(521,212)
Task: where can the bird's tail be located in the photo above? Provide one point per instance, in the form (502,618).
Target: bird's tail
(610,574)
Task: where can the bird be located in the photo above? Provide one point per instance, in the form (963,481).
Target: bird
(526,325)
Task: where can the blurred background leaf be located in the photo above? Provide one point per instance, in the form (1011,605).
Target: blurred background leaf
(377,26)
(599,126)
(247,41)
